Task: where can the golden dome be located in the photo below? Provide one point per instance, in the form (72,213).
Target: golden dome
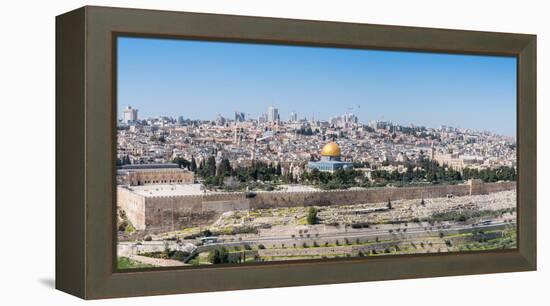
(331,149)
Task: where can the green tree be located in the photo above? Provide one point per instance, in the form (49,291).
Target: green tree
(312,216)
(209,167)
(126,160)
(218,255)
(193,164)
(182,162)
(431,177)
(224,168)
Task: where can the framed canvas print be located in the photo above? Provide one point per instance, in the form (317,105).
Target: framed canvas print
(200,152)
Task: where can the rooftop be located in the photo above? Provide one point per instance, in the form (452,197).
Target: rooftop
(166,190)
(148,166)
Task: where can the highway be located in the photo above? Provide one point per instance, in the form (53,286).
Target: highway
(414,229)
(369,233)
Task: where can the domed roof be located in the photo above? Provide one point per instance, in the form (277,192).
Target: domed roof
(331,149)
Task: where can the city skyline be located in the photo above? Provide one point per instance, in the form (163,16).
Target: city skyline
(464,91)
(293,118)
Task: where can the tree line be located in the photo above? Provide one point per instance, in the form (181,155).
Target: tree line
(425,170)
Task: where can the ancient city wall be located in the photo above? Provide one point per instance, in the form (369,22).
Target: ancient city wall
(228,205)
(170,213)
(167,213)
(372,195)
(348,197)
(133,205)
(486,188)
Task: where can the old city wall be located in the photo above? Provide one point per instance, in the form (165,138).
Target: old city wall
(168,213)
(485,188)
(349,197)
(133,205)
(171,213)
(372,195)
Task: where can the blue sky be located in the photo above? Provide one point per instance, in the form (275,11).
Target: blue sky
(200,80)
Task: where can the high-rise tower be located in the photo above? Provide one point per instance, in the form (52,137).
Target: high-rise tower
(129,115)
(272,114)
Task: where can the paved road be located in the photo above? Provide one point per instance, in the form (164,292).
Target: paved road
(128,247)
(369,233)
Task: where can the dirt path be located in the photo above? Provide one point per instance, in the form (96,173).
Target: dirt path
(156,261)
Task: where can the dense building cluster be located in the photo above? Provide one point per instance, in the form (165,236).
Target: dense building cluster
(290,145)
(243,189)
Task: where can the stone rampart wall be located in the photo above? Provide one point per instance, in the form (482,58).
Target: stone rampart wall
(133,205)
(165,213)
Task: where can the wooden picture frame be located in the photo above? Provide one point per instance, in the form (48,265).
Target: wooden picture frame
(85,151)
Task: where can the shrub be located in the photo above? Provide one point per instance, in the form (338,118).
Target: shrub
(122,226)
(129,229)
(218,255)
(360,225)
(179,255)
(244,230)
(312,215)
